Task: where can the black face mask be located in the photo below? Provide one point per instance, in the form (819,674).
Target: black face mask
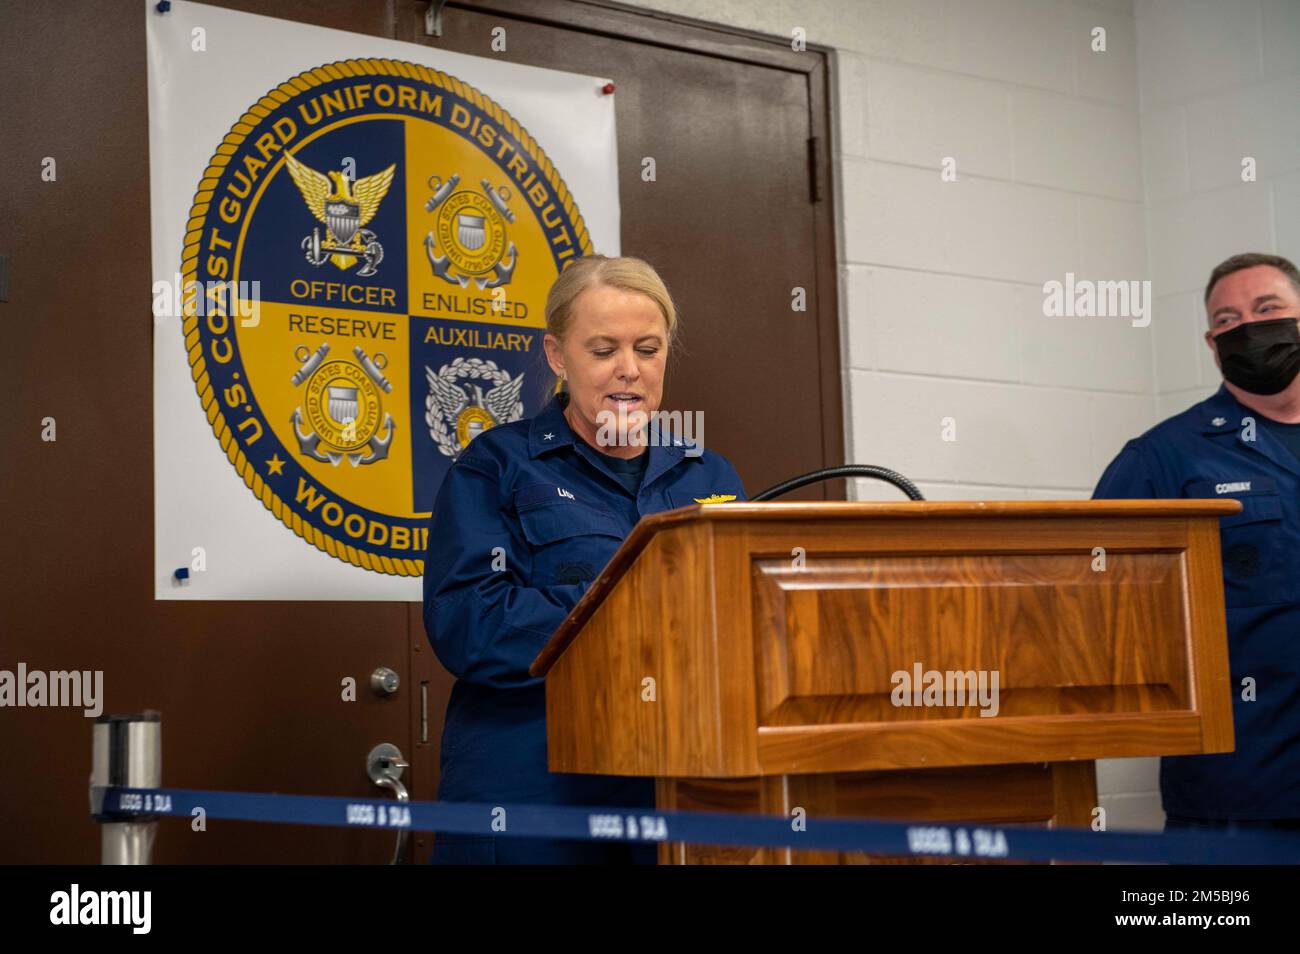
(1262,357)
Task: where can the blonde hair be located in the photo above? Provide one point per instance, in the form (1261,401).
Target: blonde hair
(626,274)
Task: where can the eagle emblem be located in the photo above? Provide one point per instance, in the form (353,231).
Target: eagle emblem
(456,413)
(345,208)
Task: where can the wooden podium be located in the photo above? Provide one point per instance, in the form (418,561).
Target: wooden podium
(749,657)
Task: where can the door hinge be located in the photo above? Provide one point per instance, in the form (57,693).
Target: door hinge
(816,165)
(433,18)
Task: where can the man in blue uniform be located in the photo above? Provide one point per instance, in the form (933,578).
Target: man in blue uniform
(524,522)
(1242,443)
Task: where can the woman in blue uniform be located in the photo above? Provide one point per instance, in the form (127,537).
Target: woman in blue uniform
(523,523)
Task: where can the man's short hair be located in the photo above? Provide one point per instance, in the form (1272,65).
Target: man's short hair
(1250,260)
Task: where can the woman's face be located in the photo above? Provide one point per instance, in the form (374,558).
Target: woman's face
(614,355)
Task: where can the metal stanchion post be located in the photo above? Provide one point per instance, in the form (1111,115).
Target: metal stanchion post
(127,754)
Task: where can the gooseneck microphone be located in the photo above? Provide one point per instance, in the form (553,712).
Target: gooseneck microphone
(845,470)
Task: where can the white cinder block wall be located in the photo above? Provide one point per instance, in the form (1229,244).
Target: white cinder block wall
(1067,160)
(1218,85)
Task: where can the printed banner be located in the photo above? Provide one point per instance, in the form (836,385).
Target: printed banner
(353,239)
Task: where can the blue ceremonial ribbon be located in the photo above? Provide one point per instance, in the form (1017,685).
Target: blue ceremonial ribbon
(915,838)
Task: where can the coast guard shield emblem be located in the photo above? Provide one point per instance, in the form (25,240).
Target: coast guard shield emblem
(404,230)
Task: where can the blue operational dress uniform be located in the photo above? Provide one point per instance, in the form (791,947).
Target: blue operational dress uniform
(523,523)
(1212,451)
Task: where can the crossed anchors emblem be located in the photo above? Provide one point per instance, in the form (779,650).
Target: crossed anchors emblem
(457,413)
(344,207)
(343,407)
(469,232)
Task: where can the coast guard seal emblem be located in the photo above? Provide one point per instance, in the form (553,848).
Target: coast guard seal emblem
(404,230)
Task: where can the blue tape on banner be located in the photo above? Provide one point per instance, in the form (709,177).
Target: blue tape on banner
(713,828)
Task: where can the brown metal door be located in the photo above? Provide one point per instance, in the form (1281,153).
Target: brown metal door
(738,216)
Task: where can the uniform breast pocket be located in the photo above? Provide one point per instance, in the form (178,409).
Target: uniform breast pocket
(1255,558)
(570,542)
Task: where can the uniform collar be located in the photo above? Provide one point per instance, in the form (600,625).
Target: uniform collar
(663,458)
(550,430)
(1223,414)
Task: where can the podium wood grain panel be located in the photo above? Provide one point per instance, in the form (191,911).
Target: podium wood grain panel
(1032,795)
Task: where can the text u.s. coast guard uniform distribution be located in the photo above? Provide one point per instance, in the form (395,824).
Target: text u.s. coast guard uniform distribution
(523,523)
(1212,450)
